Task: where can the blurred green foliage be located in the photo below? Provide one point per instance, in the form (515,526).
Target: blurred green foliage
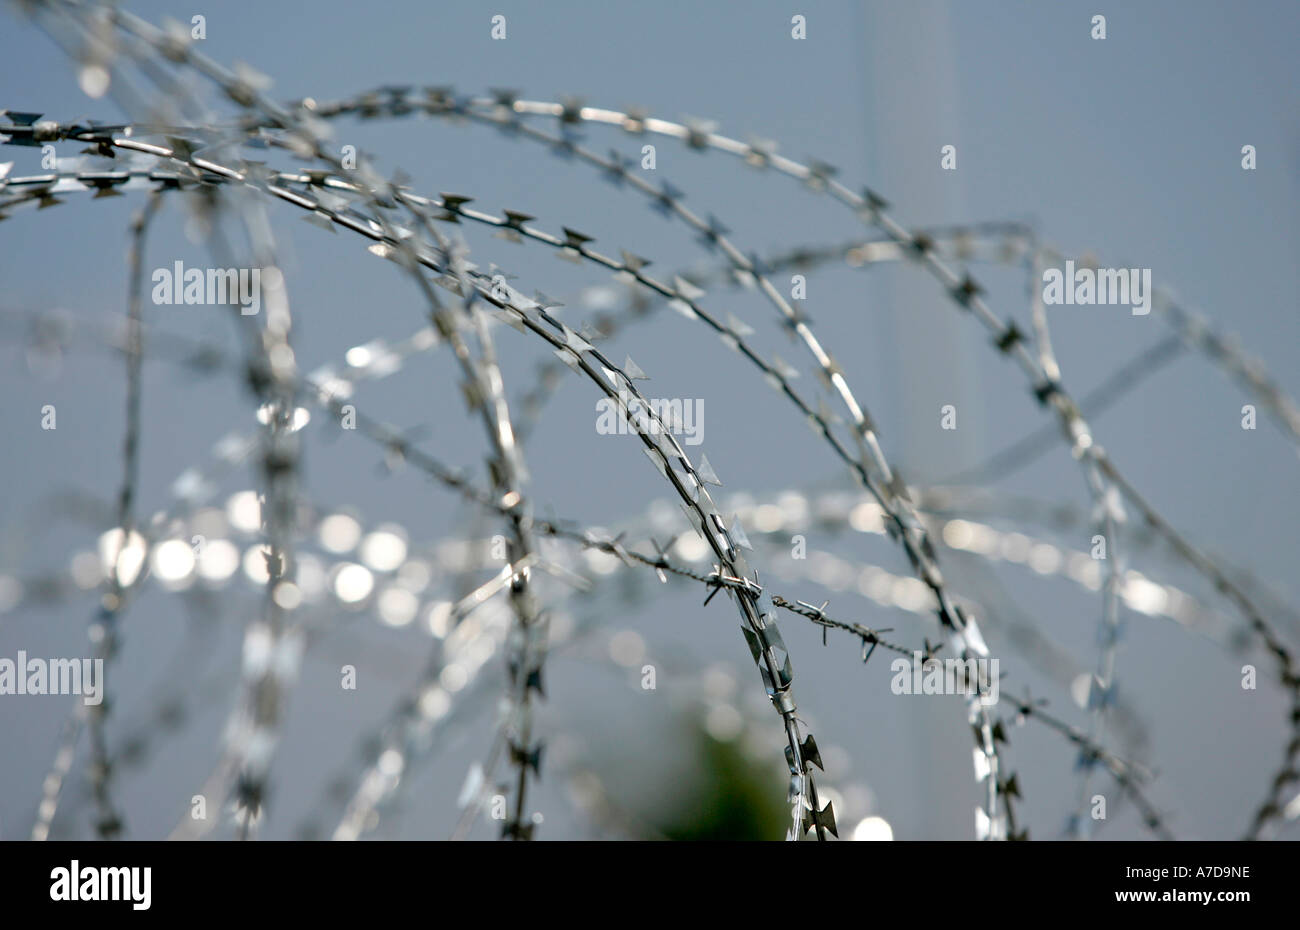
(731,798)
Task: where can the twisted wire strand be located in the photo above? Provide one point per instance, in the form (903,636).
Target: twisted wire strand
(104,634)
(1108,515)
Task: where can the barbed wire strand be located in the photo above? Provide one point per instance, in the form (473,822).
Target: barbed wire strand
(104,633)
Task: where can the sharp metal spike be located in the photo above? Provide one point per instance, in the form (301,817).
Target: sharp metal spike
(19,118)
(574,239)
(738,533)
(784,368)
(516,220)
(319,219)
(633,262)
(633,371)
(546,301)
(824,818)
(739,326)
(685,289)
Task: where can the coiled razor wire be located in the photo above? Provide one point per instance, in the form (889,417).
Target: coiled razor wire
(358,199)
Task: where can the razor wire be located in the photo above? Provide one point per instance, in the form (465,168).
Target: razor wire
(572,347)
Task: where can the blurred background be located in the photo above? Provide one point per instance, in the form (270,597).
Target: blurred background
(1127,148)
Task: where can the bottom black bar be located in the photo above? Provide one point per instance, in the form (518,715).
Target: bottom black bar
(212,880)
